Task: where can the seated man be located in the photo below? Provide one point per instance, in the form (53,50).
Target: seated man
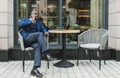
(33,33)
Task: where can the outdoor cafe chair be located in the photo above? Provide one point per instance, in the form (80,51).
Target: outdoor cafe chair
(93,39)
(28,49)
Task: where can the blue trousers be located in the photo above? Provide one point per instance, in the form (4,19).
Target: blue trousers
(37,41)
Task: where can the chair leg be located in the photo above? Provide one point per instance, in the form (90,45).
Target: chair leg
(86,53)
(104,57)
(48,64)
(99,63)
(29,53)
(89,56)
(78,56)
(23,63)
(98,53)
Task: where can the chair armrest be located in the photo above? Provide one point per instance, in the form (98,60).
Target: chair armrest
(82,38)
(103,41)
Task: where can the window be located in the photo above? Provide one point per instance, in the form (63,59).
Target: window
(90,14)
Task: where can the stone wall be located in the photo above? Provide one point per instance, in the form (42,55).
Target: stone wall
(6,24)
(6,27)
(114,24)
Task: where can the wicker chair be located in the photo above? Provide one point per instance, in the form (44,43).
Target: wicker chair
(28,49)
(93,39)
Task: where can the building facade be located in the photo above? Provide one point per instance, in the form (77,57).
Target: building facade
(6,28)
(114,26)
(90,14)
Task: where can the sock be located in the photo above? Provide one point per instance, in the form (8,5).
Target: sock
(35,67)
(45,53)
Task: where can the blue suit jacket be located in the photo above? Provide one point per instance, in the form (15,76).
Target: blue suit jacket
(28,27)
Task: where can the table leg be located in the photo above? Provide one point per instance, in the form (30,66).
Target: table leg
(64,63)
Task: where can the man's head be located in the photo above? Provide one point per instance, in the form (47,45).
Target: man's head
(34,13)
(67,13)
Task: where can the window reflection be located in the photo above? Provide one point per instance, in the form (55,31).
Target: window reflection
(83,15)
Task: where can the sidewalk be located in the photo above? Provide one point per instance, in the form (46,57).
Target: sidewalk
(13,69)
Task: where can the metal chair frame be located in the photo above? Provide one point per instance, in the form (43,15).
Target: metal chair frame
(28,49)
(93,39)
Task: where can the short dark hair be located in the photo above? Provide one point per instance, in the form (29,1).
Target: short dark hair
(67,12)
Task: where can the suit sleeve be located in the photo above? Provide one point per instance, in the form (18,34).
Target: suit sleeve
(42,28)
(24,22)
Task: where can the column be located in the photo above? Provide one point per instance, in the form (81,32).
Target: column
(94,14)
(114,27)
(6,28)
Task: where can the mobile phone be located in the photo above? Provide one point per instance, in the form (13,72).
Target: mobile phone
(35,17)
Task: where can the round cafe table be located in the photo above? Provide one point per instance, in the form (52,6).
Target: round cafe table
(64,63)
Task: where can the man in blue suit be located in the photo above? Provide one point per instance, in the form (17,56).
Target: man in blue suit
(33,33)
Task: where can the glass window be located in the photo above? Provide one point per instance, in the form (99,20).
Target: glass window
(76,14)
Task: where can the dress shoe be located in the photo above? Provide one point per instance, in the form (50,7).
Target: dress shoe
(49,57)
(35,72)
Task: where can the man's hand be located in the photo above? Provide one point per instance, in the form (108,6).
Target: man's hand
(46,34)
(33,19)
